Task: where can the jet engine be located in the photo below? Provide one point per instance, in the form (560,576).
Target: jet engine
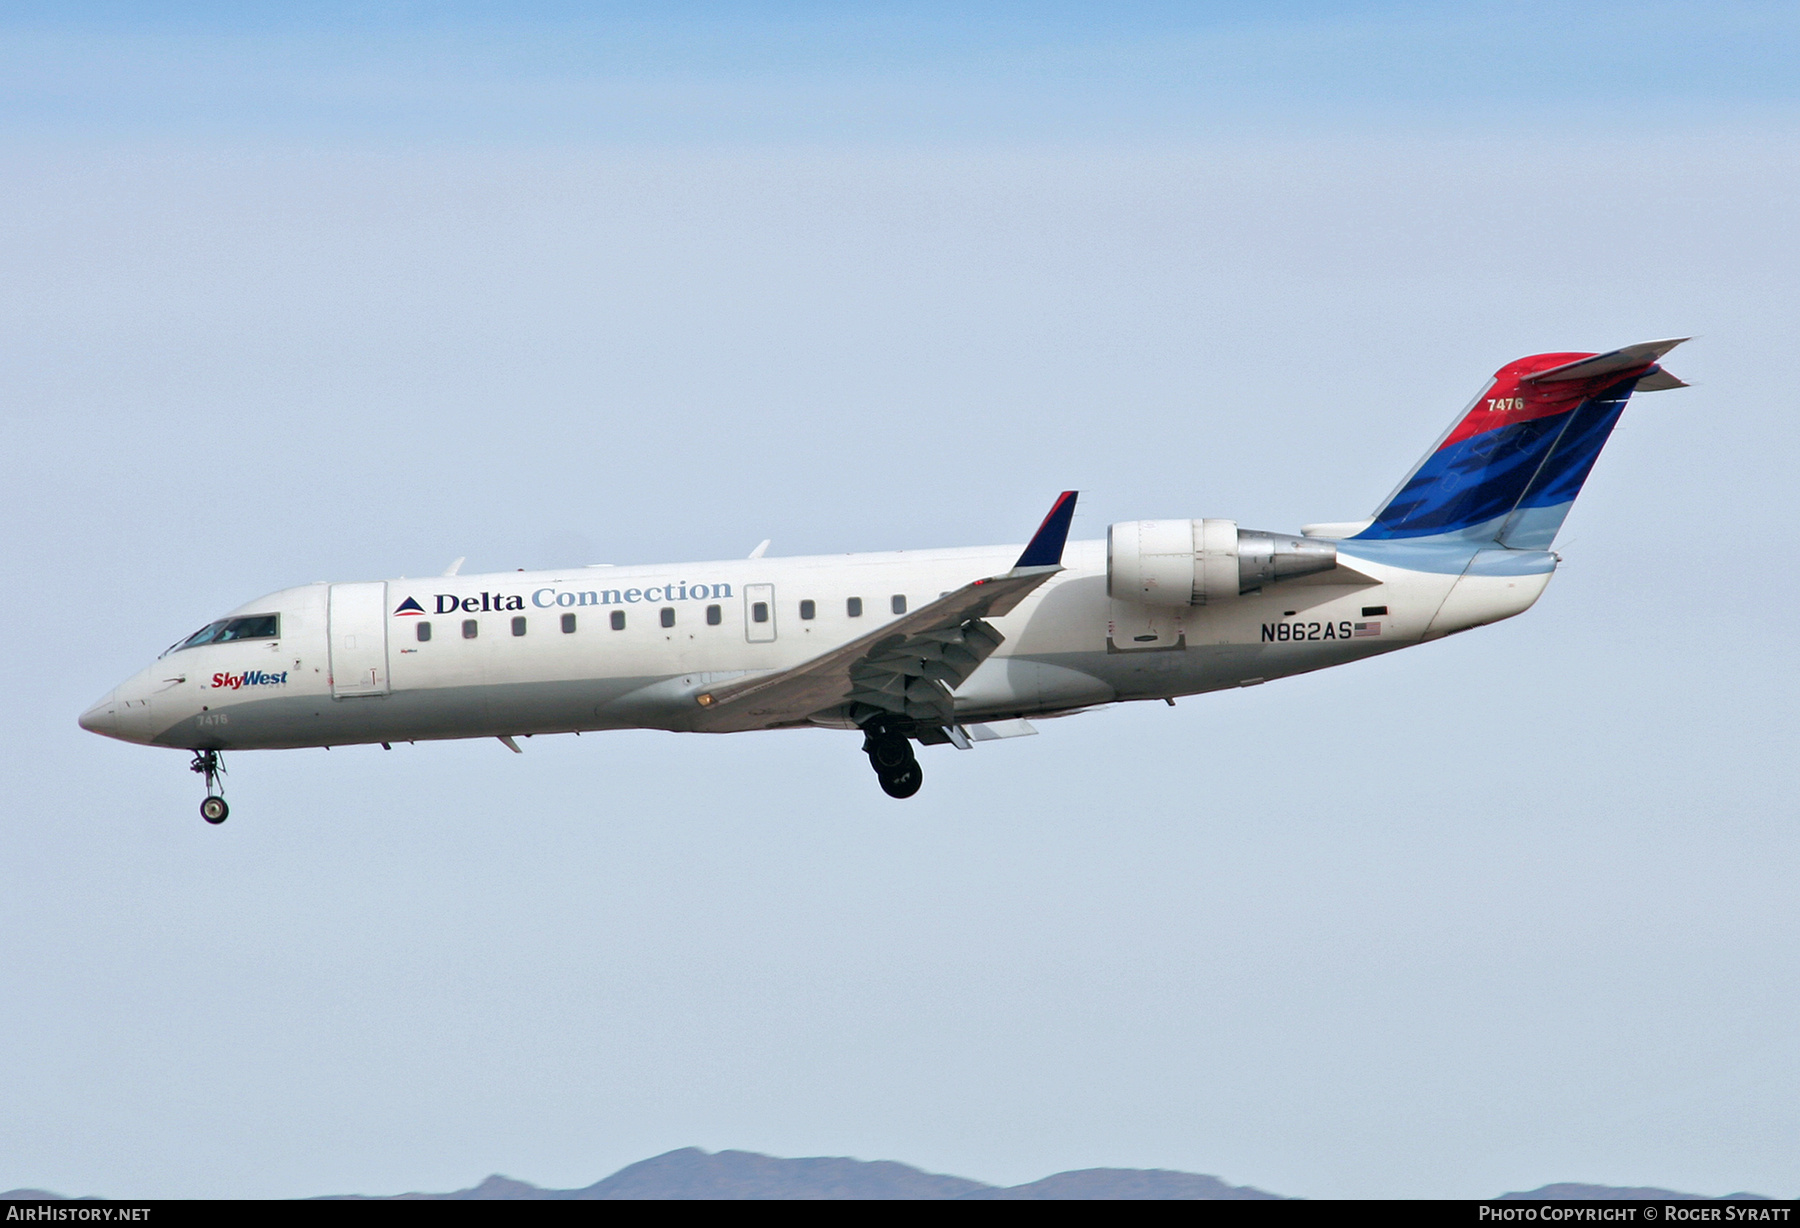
(1193,562)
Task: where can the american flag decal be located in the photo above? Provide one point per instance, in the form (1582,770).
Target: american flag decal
(1362,629)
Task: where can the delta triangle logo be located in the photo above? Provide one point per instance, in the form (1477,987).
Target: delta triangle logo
(409,606)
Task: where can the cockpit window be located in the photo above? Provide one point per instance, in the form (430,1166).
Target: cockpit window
(227,630)
(252,627)
(202,636)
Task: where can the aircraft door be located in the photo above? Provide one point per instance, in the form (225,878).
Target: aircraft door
(357,624)
(759,613)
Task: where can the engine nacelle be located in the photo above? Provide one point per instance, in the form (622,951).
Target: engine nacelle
(1193,562)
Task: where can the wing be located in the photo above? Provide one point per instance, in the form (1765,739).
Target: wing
(905,669)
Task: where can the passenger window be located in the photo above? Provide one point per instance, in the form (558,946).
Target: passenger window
(518,626)
(568,624)
(759,612)
(807,609)
(899,603)
(423,631)
(618,620)
(853,607)
(668,616)
(470,628)
(714,616)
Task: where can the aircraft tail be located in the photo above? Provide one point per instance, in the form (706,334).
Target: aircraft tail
(1510,466)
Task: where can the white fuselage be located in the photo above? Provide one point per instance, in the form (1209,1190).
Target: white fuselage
(351,665)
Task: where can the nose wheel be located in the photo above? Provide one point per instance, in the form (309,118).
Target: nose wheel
(210,766)
(891,755)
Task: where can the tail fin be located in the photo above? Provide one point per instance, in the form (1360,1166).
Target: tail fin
(1511,464)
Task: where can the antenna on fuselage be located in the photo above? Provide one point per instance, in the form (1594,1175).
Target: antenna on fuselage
(453,568)
(764,545)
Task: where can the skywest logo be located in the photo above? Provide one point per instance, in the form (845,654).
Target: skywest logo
(250,677)
(548,598)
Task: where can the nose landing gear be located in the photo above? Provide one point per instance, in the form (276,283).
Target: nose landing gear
(210,765)
(891,755)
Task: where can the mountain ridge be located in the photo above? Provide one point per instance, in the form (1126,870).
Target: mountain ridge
(691,1173)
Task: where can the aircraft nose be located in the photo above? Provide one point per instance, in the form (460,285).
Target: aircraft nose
(102,717)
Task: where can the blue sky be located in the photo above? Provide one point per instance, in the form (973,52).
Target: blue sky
(352,295)
(890,73)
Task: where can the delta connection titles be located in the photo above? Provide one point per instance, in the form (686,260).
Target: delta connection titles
(1626,1213)
(550,598)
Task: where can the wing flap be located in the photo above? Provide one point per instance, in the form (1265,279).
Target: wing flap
(905,669)
(878,669)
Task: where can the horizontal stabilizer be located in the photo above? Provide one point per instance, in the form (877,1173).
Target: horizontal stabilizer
(1614,362)
(1659,380)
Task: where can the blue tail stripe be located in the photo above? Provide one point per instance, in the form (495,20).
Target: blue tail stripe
(1513,485)
(1567,468)
(1471,482)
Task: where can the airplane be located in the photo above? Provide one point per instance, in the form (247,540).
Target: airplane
(934,647)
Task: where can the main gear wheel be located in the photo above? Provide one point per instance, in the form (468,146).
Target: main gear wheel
(896,767)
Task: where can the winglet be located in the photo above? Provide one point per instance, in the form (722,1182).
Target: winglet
(1046,546)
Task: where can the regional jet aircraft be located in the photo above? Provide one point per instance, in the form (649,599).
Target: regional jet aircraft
(935,647)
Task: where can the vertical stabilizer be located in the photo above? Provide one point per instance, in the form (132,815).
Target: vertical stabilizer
(1511,464)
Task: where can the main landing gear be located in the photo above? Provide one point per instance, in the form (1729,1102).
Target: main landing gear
(210,764)
(891,755)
